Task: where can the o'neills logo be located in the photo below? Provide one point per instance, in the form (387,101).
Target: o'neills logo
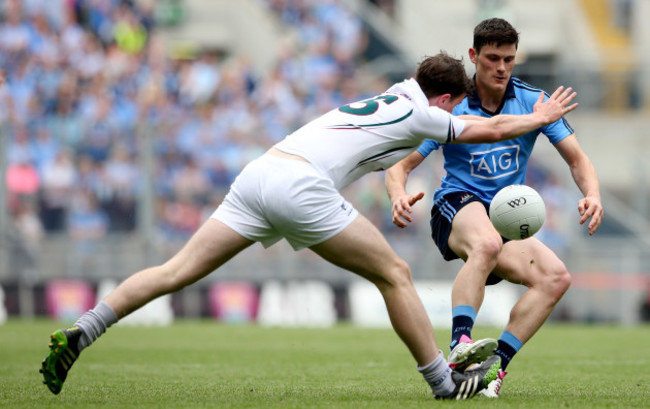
(517,202)
(523,230)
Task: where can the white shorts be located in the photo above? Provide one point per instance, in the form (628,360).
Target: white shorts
(276,197)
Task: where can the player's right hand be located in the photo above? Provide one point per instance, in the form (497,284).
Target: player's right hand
(402,209)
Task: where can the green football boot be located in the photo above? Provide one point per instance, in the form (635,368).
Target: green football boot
(63,353)
(474,380)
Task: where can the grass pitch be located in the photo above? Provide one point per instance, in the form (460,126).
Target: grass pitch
(204,364)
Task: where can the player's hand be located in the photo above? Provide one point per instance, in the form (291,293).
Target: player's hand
(590,207)
(557,105)
(402,209)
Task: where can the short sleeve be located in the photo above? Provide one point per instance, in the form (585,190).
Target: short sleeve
(428,146)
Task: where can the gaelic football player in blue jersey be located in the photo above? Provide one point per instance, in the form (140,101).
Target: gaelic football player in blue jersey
(460,225)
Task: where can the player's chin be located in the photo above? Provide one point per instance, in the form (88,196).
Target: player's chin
(500,83)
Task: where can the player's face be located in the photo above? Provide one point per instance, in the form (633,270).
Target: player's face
(494,66)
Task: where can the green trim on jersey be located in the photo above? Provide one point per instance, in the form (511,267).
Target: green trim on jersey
(352,126)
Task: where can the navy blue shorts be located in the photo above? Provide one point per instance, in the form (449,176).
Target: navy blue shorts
(443,213)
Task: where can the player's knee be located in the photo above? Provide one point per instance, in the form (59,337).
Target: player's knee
(558,281)
(563,280)
(398,274)
(488,248)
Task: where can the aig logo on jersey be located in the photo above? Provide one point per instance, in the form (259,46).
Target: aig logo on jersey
(495,163)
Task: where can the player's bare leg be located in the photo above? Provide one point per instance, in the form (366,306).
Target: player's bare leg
(210,247)
(474,239)
(529,262)
(362,249)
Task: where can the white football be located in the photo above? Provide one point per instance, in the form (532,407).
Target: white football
(517,212)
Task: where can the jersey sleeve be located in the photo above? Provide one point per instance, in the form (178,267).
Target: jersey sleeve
(557,131)
(437,124)
(428,146)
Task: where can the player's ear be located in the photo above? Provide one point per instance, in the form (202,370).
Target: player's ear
(445,102)
(472,55)
(445,99)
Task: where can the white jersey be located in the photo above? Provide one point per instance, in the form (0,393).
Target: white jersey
(371,135)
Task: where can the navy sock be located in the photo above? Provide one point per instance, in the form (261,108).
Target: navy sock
(507,348)
(462,321)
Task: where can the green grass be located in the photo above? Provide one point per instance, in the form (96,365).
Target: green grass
(203,364)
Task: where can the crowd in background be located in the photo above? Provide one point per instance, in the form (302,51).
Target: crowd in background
(89,84)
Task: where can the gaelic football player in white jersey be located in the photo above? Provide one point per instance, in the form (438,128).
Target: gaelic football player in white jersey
(292,192)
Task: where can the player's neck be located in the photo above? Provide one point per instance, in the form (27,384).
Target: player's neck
(490,100)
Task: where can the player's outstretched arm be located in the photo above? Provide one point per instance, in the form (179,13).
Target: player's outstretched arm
(501,127)
(396,177)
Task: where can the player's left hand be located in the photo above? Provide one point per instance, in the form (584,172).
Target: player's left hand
(590,207)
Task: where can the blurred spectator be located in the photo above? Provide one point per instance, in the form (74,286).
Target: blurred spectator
(26,234)
(100,127)
(177,221)
(45,149)
(200,78)
(89,59)
(22,90)
(23,182)
(89,177)
(72,34)
(87,225)
(66,123)
(59,179)
(130,34)
(14,33)
(19,148)
(122,179)
(191,182)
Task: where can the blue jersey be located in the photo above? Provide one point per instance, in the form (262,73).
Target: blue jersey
(484,169)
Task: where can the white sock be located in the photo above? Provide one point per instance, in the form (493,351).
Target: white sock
(94,323)
(438,376)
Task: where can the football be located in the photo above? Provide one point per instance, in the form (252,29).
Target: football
(517,212)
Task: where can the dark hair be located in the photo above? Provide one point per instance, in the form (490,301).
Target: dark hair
(495,31)
(442,74)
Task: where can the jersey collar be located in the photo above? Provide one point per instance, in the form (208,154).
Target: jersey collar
(474,102)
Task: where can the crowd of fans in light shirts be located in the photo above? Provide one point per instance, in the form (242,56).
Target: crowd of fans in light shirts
(88,79)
